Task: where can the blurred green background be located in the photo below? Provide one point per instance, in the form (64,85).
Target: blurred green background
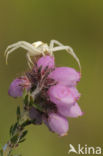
(78,23)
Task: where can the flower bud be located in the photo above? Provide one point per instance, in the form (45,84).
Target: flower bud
(45,61)
(17,86)
(65,75)
(58,124)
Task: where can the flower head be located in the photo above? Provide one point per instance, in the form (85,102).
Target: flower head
(54,94)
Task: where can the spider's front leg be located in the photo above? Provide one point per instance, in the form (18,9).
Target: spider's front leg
(52,42)
(62,47)
(22,44)
(16,45)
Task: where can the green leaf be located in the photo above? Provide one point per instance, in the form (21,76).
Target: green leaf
(24,93)
(14,139)
(18,113)
(26,101)
(13,129)
(26,123)
(31,103)
(23,134)
(22,140)
(37,107)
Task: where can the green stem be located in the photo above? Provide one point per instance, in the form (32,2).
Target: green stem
(17,134)
(17,131)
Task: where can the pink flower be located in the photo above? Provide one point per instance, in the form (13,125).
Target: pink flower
(65,75)
(62,95)
(58,124)
(17,86)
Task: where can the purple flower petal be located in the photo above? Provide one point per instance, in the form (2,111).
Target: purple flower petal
(46,61)
(61,95)
(17,86)
(73,111)
(65,75)
(58,124)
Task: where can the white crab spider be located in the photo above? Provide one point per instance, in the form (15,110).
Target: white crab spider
(40,48)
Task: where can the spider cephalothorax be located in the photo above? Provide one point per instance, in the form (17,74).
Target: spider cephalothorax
(40,48)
